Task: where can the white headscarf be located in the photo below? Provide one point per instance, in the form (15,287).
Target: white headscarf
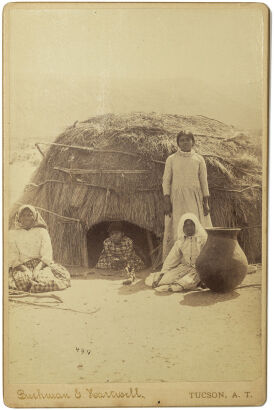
(38,221)
(200,232)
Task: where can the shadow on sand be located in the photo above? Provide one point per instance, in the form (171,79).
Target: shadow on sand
(100,274)
(207,298)
(137,286)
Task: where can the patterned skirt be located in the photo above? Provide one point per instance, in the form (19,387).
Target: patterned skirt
(184,275)
(108,261)
(33,277)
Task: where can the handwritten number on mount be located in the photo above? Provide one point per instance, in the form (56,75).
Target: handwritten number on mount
(83,350)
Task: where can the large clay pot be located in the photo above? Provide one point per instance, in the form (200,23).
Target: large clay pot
(222,264)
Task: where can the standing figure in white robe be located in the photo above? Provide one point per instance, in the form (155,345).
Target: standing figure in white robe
(185,188)
(179,272)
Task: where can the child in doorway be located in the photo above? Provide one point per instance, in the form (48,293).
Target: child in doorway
(119,253)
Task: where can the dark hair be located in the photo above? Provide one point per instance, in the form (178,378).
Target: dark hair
(190,221)
(115,226)
(183,133)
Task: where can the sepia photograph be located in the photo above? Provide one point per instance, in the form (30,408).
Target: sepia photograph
(135,149)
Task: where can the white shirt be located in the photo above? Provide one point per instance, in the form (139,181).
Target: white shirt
(185,170)
(29,244)
(184,251)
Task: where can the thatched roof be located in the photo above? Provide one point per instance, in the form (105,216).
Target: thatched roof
(118,173)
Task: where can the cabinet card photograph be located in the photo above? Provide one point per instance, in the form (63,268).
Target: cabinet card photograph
(135,149)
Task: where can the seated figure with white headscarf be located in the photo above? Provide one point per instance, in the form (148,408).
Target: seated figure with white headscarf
(31,265)
(178,272)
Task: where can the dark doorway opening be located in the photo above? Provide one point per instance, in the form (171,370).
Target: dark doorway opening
(144,241)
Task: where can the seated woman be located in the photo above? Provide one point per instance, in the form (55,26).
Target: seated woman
(31,267)
(118,252)
(178,272)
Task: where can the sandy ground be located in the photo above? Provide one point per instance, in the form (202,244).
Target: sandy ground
(137,335)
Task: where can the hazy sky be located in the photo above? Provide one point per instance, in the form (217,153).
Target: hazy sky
(69,64)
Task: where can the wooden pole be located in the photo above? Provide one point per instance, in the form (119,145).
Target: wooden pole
(150,242)
(102,171)
(39,149)
(112,151)
(54,213)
